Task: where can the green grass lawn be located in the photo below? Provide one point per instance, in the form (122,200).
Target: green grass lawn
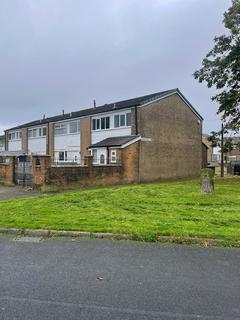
(144,211)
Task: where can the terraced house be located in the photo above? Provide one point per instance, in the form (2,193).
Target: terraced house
(159,134)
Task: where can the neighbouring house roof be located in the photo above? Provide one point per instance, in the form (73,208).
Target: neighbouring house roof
(119,105)
(114,142)
(235,140)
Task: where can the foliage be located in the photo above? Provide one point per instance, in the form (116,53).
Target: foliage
(221,68)
(228,143)
(144,211)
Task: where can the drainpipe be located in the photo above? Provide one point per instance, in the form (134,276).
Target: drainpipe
(136,120)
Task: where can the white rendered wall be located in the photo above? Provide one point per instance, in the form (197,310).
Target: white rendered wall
(37,145)
(69,143)
(15,145)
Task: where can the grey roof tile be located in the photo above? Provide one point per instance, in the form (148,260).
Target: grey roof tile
(113,142)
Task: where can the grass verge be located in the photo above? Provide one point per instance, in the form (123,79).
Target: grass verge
(144,211)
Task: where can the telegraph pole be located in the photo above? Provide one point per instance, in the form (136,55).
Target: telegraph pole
(222,151)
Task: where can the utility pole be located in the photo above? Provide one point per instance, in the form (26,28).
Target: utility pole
(222,151)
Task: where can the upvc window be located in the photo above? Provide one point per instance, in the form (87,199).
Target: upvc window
(17,135)
(102,123)
(129,119)
(122,120)
(62,156)
(74,126)
(30,133)
(60,129)
(42,132)
(113,156)
(94,154)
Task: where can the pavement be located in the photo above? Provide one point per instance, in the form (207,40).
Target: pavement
(8,193)
(93,279)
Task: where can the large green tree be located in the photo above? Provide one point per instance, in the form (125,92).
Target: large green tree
(221,68)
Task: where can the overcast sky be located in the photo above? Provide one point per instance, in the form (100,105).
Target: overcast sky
(62,54)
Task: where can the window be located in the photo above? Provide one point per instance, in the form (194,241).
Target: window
(32,133)
(94,127)
(62,155)
(113,156)
(74,127)
(60,129)
(107,122)
(122,120)
(94,154)
(116,121)
(17,135)
(103,123)
(129,119)
(42,132)
(102,159)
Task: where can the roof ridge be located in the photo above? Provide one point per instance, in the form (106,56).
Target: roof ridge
(128,103)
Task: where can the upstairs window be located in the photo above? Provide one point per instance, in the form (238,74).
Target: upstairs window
(33,133)
(60,129)
(102,123)
(74,127)
(122,120)
(42,132)
(17,135)
(129,119)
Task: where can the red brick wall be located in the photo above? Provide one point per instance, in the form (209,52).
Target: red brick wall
(7,172)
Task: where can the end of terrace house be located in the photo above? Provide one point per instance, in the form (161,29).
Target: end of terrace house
(158,135)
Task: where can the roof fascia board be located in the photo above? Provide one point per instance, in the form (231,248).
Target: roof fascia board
(130,142)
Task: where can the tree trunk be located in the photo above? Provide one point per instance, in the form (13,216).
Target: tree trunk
(207,183)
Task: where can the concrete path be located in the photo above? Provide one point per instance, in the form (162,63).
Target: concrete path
(116,280)
(7,193)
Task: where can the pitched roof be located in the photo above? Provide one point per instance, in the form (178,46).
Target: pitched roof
(130,103)
(113,142)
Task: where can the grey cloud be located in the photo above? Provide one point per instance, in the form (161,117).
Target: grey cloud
(63,54)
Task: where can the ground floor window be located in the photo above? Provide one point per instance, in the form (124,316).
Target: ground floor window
(113,156)
(102,159)
(62,156)
(94,154)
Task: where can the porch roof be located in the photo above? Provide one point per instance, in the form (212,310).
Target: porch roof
(113,142)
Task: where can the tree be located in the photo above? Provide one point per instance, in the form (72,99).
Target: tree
(221,68)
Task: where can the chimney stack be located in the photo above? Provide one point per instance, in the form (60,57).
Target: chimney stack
(44,117)
(94,103)
(63,112)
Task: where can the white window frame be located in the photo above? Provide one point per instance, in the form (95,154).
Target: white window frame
(118,117)
(15,136)
(95,159)
(61,126)
(65,156)
(97,123)
(113,155)
(38,132)
(77,122)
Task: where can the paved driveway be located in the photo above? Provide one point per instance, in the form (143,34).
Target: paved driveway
(117,280)
(7,193)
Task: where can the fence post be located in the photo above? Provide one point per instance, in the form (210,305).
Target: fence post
(40,170)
